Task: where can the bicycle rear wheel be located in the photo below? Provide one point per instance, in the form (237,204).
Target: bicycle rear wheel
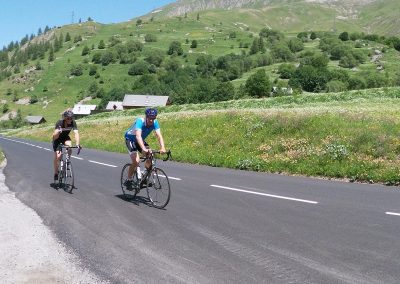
(68,177)
(158,188)
(129,190)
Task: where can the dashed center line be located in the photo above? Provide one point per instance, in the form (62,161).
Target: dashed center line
(174,178)
(393,213)
(104,164)
(78,158)
(265,194)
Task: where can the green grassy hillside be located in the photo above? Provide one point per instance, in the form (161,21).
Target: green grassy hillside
(56,89)
(352,135)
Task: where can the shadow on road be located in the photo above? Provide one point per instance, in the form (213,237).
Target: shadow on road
(57,186)
(137,200)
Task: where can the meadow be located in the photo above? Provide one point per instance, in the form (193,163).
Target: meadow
(354,136)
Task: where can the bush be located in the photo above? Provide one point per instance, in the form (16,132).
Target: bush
(85,50)
(107,58)
(150,38)
(140,67)
(310,79)
(134,46)
(175,48)
(258,85)
(33,99)
(335,86)
(194,44)
(286,70)
(92,70)
(76,70)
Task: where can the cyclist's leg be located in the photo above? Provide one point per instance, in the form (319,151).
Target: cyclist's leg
(57,156)
(134,155)
(68,142)
(147,164)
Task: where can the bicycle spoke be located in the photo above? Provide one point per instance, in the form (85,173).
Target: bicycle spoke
(158,188)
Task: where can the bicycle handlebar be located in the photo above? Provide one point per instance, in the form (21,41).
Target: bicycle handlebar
(168,153)
(65,129)
(70,147)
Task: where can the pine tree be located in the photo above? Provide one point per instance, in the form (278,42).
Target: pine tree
(67,37)
(51,54)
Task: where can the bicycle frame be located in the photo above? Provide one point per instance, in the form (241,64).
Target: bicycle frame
(153,160)
(154,180)
(65,171)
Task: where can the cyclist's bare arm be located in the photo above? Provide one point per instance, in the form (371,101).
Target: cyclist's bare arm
(76,137)
(140,140)
(56,133)
(160,140)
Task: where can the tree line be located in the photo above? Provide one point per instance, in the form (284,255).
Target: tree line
(169,72)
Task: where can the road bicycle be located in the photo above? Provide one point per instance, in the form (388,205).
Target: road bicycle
(154,180)
(65,171)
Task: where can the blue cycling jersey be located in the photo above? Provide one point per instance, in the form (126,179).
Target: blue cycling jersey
(140,124)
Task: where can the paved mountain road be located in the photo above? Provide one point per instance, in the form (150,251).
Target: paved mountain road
(221,225)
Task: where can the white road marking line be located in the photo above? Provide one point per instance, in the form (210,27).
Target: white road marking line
(264,194)
(108,165)
(393,213)
(171,177)
(78,158)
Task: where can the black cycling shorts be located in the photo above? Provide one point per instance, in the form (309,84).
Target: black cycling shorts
(60,141)
(134,146)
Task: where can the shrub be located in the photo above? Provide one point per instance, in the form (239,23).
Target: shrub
(286,70)
(258,84)
(76,70)
(335,86)
(140,67)
(150,38)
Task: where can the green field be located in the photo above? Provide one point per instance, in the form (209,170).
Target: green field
(353,135)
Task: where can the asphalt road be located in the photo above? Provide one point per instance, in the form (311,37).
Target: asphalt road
(221,226)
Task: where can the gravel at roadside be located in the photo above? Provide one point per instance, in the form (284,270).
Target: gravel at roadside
(29,251)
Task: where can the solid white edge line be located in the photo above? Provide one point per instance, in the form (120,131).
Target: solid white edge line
(264,194)
(393,213)
(108,165)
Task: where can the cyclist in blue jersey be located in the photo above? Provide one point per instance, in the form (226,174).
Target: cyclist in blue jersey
(135,139)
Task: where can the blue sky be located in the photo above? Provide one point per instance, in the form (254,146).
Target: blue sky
(24,17)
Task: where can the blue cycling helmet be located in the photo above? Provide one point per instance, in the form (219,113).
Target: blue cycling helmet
(151,112)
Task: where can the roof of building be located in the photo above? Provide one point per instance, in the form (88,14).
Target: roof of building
(144,100)
(35,119)
(111,104)
(83,109)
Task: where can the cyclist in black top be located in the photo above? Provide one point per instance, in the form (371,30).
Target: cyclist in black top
(61,136)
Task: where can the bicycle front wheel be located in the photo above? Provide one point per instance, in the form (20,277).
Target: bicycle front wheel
(68,177)
(60,175)
(158,188)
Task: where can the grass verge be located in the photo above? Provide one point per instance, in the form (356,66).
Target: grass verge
(354,136)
